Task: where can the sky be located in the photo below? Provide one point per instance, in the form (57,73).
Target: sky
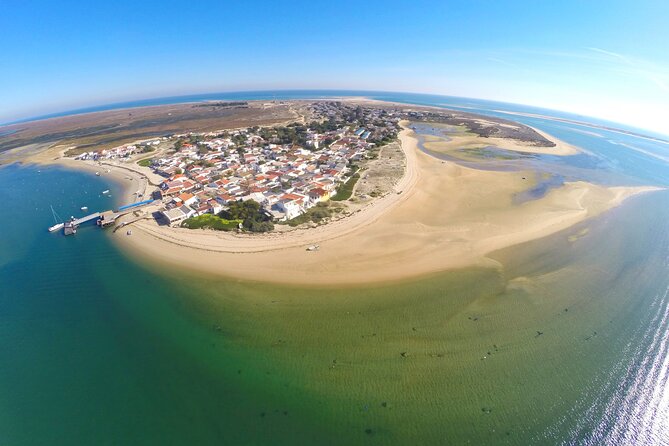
(607,59)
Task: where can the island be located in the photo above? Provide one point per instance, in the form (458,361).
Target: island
(338,191)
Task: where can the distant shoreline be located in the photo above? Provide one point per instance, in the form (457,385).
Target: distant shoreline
(287,95)
(588,124)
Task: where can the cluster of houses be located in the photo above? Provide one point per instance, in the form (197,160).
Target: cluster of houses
(121,152)
(372,122)
(286,179)
(207,171)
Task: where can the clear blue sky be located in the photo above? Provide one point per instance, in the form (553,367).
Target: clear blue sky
(608,59)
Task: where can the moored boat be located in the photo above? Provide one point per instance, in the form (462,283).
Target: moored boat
(56,218)
(56,227)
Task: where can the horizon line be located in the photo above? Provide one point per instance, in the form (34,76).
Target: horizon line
(144,102)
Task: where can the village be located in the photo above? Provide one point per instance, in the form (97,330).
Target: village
(286,170)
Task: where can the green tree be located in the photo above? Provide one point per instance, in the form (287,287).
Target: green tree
(241,210)
(259,226)
(250,213)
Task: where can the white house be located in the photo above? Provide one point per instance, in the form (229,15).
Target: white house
(178,214)
(291,208)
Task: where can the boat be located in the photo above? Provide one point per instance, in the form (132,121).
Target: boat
(56,218)
(84,208)
(56,227)
(105,191)
(313,248)
(97,173)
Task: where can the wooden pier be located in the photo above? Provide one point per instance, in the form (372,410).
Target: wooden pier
(81,220)
(104,219)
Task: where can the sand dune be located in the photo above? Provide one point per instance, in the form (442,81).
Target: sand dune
(447,216)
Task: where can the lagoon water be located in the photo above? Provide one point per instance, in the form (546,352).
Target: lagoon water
(567,343)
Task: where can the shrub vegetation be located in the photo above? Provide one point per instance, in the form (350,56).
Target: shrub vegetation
(210,221)
(250,213)
(315,214)
(345,190)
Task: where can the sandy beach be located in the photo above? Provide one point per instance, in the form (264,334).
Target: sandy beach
(468,140)
(442,216)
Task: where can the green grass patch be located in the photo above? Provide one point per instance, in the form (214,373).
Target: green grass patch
(345,190)
(487,153)
(145,162)
(315,214)
(210,221)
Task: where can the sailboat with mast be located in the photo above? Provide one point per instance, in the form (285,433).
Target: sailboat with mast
(56,219)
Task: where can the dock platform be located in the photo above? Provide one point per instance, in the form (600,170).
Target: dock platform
(81,220)
(105,218)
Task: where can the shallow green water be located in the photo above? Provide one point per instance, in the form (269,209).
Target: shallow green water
(96,349)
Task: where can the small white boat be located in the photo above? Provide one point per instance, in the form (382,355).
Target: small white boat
(313,248)
(56,218)
(97,173)
(105,191)
(56,227)
(84,208)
